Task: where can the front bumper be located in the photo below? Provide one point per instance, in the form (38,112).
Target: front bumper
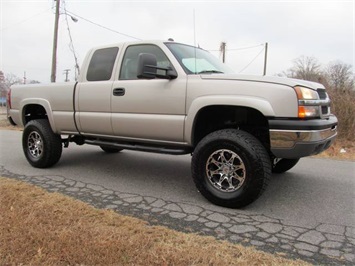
(299,138)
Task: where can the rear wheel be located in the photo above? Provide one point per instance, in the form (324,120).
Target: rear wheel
(283,165)
(41,146)
(231,168)
(110,149)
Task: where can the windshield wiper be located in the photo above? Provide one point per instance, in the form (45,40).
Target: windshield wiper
(209,71)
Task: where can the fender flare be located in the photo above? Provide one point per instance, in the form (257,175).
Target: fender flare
(259,104)
(41,102)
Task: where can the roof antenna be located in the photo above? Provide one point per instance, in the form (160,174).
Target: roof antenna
(170,39)
(195,41)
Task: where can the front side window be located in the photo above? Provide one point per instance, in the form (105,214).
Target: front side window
(101,64)
(129,68)
(196,60)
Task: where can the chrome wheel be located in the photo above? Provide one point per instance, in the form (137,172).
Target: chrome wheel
(225,170)
(35,144)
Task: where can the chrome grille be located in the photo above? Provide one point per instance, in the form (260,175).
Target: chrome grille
(322,94)
(325,110)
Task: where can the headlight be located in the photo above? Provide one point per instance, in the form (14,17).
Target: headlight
(308,106)
(306,94)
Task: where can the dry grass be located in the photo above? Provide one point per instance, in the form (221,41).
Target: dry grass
(343,106)
(340,150)
(37,227)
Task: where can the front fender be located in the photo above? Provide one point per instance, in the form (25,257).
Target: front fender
(198,104)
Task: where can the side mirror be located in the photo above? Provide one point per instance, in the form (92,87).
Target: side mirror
(148,68)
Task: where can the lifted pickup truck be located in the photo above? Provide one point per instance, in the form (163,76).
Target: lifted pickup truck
(172,98)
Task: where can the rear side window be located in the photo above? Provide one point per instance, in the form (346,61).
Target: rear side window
(101,64)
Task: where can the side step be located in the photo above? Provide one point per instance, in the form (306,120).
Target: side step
(139,147)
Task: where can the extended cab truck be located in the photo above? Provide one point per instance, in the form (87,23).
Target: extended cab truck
(172,98)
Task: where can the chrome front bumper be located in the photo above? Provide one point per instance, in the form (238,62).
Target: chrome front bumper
(296,143)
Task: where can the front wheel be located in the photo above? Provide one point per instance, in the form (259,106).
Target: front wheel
(231,168)
(41,146)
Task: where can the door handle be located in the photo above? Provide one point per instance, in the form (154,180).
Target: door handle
(119,92)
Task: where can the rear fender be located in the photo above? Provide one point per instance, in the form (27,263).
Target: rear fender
(41,102)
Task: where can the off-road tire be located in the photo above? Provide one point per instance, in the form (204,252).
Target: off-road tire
(110,150)
(251,153)
(41,146)
(284,165)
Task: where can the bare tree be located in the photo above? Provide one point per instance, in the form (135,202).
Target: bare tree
(339,75)
(6,80)
(12,79)
(306,68)
(3,87)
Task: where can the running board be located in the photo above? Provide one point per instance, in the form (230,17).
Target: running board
(137,147)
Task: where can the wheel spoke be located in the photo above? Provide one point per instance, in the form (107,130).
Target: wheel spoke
(216,163)
(215,172)
(230,182)
(221,156)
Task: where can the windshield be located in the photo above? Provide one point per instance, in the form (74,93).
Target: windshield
(196,60)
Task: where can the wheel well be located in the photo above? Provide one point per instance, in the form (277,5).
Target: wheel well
(33,111)
(212,118)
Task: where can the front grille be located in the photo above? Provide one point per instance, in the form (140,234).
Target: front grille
(322,94)
(325,110)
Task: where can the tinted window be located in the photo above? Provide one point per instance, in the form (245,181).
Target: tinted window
(101,64)
(130,60)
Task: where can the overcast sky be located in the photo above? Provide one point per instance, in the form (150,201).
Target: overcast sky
(323,29)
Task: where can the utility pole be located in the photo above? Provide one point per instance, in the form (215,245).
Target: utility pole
(24,77)
(265,58)
(66,72)
(223,51)
(55,41)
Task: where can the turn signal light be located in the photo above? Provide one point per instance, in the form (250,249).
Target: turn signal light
(301,112)
(308,111)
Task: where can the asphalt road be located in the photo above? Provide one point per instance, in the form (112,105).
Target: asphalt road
(308,212)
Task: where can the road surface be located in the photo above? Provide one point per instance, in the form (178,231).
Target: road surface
(307,213)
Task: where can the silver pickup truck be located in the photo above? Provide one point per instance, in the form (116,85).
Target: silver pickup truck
(168,97)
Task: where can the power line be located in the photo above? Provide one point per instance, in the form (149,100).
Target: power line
(237,49)
(22,21)
(104,27)
(245,48)
(252,60)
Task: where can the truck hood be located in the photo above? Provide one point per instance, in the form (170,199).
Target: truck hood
(267,79)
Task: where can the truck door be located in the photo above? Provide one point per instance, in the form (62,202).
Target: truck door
(93,97)
(151,109)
